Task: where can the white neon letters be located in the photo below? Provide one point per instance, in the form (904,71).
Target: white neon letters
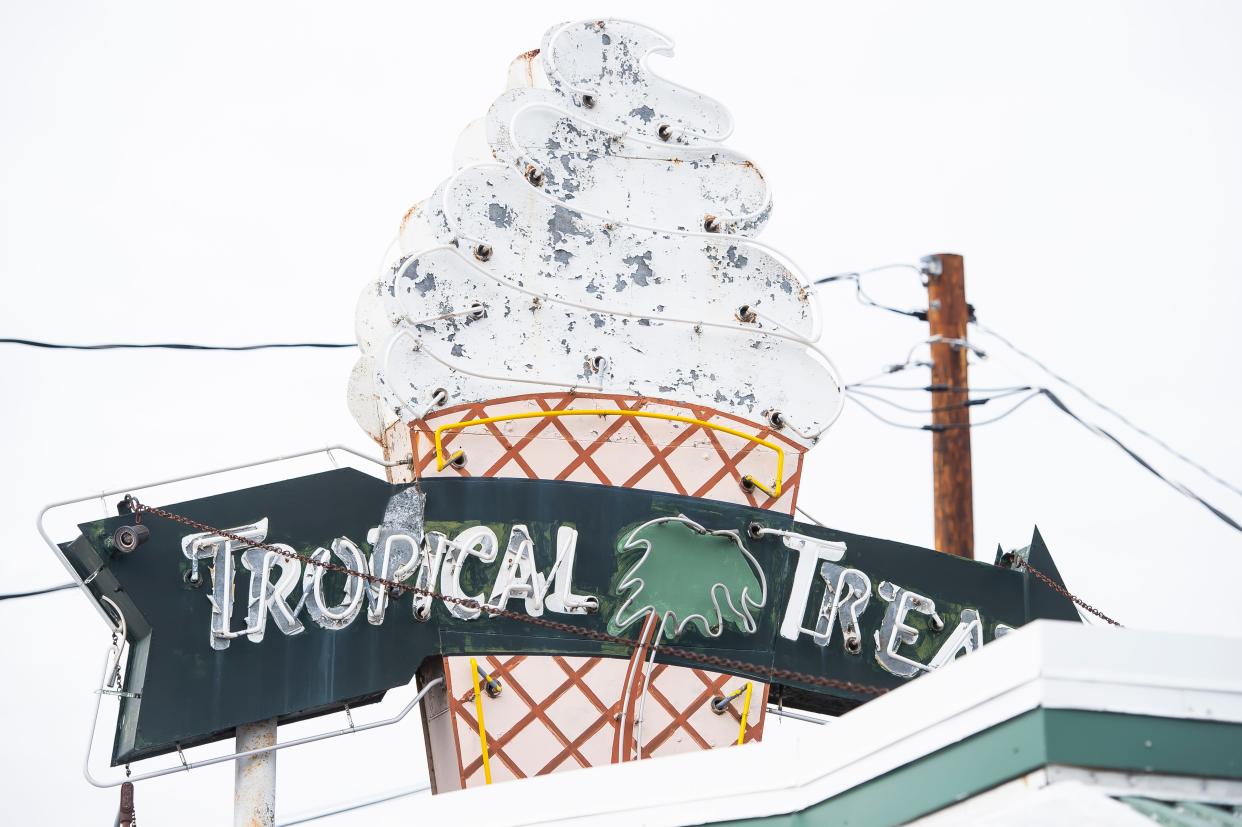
(343,613)
(427,571)
(220,550)
(810,551)
(846,595)
(966,638)
(266,596)
(393,559)
(894,631)
(479,542)
(563,600)
(519,576)
(422,561)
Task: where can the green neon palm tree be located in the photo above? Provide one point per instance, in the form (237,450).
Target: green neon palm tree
(690,576)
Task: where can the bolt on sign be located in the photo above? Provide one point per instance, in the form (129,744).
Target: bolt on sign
(226,632)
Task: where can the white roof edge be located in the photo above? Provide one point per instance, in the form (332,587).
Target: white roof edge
(1051,664)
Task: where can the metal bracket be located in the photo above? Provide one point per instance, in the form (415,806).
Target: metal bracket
(129,488)
(186,766)
(118,693)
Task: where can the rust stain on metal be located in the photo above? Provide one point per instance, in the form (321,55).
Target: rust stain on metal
(409,215)
(528,61)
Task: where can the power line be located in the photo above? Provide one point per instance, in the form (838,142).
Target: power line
(1181,488)
(863,298)
(970,403)
(937,388)
(852,396)
(1108,409)
(37,592)
(172,345)
(953,426)
(337,809)
(856,277)
(849,397)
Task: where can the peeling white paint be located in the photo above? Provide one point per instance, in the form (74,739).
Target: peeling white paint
(608,59)
(605,223)
(618,175)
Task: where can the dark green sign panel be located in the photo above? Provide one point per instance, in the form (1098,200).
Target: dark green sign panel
(224,633)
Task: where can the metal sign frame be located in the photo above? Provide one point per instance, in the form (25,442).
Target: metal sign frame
(195,674)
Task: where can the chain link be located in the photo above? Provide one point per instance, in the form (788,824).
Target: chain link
(1061,590)
(399,589)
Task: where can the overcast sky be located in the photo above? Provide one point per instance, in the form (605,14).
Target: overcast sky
(231,173)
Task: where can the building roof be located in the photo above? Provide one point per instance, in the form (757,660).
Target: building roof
(1056,718)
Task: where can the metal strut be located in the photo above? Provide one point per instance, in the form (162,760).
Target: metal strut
(186,766)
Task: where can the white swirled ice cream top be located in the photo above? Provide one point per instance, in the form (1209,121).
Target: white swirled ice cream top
(596,236)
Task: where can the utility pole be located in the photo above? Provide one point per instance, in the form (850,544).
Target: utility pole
(947,316)
(254,780)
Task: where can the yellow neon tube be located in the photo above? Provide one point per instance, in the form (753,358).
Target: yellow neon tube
(774,491)
(478,709)
(741,730)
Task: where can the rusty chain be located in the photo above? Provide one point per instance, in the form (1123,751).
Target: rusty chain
(398,589)
(1061,590)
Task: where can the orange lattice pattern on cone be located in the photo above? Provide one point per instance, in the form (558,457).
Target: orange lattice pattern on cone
(566,717)
(558,713)
(627,452)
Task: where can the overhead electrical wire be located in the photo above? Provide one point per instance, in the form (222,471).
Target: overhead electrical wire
(852,392)
(860,294)
(172,345)
(953,426)
(853,397)
(905,426)
(1107,409)
(970,403)
(937,388)
(1181,488)
(37,592)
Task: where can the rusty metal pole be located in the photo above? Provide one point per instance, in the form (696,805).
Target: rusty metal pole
(947,316)
(254,780)
(125,815)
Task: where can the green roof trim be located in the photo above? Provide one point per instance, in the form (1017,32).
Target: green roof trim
(1184,813)
(1100,740)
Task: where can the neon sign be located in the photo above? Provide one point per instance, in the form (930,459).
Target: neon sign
(721,579)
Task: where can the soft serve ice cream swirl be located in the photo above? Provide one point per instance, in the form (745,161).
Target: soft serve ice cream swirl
(595,236)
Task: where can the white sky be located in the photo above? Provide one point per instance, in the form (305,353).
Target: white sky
(231,173)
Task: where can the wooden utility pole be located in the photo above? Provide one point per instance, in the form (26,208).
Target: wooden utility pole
(947,317)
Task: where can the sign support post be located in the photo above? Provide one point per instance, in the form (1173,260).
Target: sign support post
(254,780)
(947,316)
